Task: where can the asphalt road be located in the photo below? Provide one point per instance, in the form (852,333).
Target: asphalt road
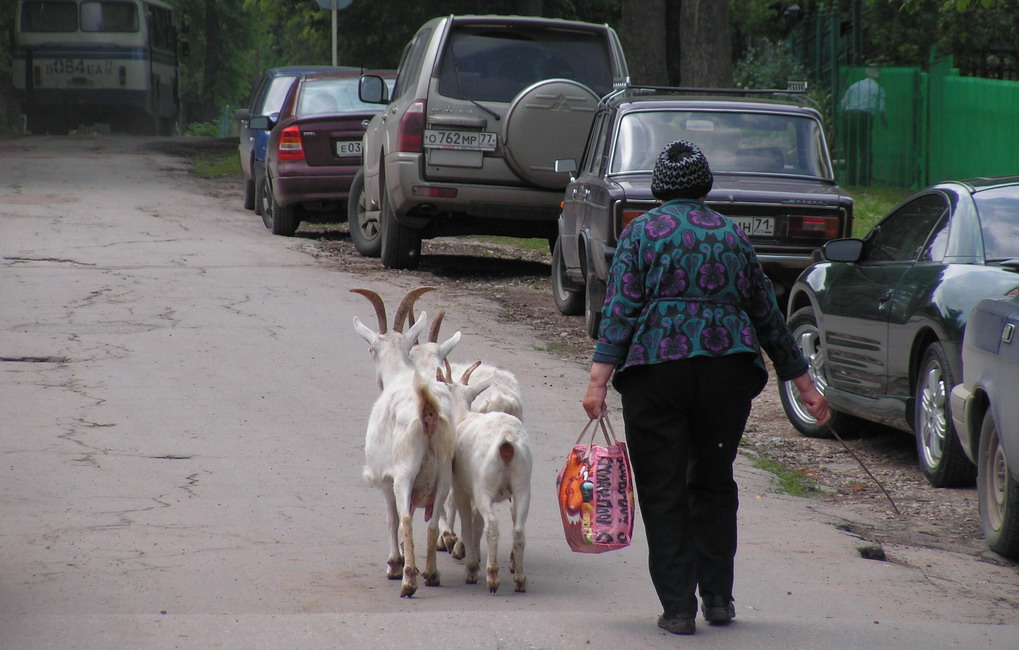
(183,403)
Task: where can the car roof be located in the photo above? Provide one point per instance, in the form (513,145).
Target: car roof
(786,101)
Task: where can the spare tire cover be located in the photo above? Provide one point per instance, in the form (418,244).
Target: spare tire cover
(548,121)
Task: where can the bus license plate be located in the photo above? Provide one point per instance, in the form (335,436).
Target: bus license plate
(763,226)
(347,148)
(464,140)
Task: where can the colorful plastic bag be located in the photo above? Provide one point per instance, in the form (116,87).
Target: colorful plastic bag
(595,492)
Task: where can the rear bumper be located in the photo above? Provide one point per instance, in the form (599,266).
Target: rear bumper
(409,194)
(312,183)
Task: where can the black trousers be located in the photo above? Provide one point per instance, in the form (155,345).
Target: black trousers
(857,127)
(684,421)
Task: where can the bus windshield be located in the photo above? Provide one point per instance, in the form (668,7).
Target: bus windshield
(49,17)
(109,17)
(63,17)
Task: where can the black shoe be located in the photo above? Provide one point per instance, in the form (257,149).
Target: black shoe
(677,624)
(718,610)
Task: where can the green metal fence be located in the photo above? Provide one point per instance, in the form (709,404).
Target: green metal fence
(928,127)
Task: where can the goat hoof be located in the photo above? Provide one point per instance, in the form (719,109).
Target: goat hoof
(458,552)
(432,579)
(493,580)
(408,591)
(449,541)
(520,585)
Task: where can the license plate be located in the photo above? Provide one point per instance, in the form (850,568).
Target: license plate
(764,226)
(348,148)
(465,140)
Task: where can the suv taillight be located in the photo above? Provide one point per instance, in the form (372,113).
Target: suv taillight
(412,128)
(814,227)
(290,146)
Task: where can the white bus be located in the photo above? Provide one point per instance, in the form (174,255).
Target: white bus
(97,61)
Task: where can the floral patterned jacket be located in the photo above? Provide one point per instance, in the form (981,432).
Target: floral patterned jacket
(685,282)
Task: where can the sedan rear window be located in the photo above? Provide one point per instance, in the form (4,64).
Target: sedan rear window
(483,63)
(325,96)
(999,222)
(732,142)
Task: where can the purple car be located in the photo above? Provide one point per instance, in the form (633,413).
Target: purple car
(313,151)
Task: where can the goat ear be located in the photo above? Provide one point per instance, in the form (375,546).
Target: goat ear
(364,332)
(411,336)
(447,346)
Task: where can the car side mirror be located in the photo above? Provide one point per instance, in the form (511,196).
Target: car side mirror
(843,250)
(372,89)
(566,166)
(261,123)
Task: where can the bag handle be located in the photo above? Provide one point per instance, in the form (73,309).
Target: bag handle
(606,429)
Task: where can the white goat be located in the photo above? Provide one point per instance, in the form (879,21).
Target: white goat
(491,463)
(503,395)
(408,443)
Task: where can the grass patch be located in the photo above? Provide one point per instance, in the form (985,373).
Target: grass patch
(533,244)
(791,481)
(216,163)
(870,204)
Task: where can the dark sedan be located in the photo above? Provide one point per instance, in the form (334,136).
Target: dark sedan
(882,319)
(986,416)
(773,177)
(313,151)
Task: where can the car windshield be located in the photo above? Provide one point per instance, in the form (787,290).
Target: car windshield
(999,222)
(49,17)
(487,63)
(735,142)
(325,96)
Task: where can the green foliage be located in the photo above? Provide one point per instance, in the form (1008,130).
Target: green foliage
(871,204)
(204,129)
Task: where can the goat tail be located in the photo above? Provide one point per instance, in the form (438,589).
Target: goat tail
(434,405)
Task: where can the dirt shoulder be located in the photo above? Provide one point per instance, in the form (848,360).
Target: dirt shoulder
(519,280)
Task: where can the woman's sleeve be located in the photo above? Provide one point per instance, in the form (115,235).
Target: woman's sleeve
(621,310)
(773,333)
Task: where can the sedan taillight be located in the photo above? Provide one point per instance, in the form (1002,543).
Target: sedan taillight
(290,146)
(412,128)
(814,227)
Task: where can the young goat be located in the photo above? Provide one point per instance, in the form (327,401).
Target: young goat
(409,441)
(491,463)
(503,395)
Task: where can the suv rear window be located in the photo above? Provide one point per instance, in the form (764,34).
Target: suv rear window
(732,142)
(494,64)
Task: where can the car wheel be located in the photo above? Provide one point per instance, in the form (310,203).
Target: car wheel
(803,324)
(261,194)
(941,456)
(364,228)
(401,245)
(569,298)
(249,194)
(594,299)
(997,493)
(279,219)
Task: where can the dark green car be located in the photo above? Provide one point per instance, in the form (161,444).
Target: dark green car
(882,319)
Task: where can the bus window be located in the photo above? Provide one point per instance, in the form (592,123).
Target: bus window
(49,17)
(109,17)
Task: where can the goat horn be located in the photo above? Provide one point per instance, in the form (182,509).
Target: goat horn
(433,333)
(449,371)
(406,306)
(380,307)
(467,373)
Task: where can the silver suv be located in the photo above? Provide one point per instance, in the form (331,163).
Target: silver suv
(481,109)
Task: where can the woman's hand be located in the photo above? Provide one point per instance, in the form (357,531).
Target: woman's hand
(812,399)
(597,389)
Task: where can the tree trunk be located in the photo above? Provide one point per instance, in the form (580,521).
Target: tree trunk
(644,39)
(706,51)
(213,60)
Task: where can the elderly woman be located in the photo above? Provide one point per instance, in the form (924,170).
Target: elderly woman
(687,312)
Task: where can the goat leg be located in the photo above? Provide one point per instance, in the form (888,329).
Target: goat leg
(410,570)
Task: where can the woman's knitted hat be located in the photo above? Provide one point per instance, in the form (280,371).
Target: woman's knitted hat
(681,172)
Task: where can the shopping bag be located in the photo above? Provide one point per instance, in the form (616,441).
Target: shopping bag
(595,492)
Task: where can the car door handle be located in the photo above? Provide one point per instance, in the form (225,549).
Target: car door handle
(1006,333)
(882,302)
(573,195)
